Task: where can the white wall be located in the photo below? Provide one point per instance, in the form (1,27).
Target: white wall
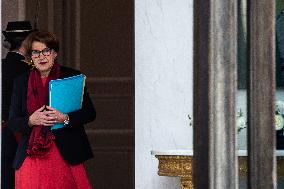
(163,85)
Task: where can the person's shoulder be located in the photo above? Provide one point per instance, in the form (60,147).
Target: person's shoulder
(6,61)
(68,72)
(17,65)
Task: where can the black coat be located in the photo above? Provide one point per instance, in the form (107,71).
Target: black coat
(12,66)
(71,141)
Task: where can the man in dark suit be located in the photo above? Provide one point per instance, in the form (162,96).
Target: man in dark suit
(12,66)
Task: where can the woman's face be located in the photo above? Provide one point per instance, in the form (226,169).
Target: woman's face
(43,57)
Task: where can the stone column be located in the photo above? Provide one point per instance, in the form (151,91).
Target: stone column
(215,59)
(261,95)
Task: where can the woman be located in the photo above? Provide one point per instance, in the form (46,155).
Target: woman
(48,158)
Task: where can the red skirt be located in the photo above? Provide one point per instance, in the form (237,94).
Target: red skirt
(51,172)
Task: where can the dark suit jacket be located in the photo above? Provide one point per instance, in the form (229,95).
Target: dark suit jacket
(71,141)
(12,66)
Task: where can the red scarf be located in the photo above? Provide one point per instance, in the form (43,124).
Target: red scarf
(41,137)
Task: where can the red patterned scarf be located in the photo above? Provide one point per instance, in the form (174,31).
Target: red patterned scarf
(41,137)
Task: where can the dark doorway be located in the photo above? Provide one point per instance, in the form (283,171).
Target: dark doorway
(97,37)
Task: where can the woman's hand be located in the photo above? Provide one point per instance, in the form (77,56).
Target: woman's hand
(42,117)
(57,115)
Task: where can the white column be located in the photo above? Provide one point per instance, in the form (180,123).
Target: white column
(163,85)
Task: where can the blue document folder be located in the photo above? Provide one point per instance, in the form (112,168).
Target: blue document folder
(66,95)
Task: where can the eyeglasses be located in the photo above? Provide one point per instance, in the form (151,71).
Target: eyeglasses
(45,52)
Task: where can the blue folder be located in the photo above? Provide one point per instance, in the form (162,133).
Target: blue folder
(66,95)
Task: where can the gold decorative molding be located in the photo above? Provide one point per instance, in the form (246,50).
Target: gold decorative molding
(177,166)
(181,166)
(280,166)
(243,168)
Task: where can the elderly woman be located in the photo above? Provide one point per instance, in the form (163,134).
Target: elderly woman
(48,158)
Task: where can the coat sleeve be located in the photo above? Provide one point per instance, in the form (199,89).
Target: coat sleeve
(18,119)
